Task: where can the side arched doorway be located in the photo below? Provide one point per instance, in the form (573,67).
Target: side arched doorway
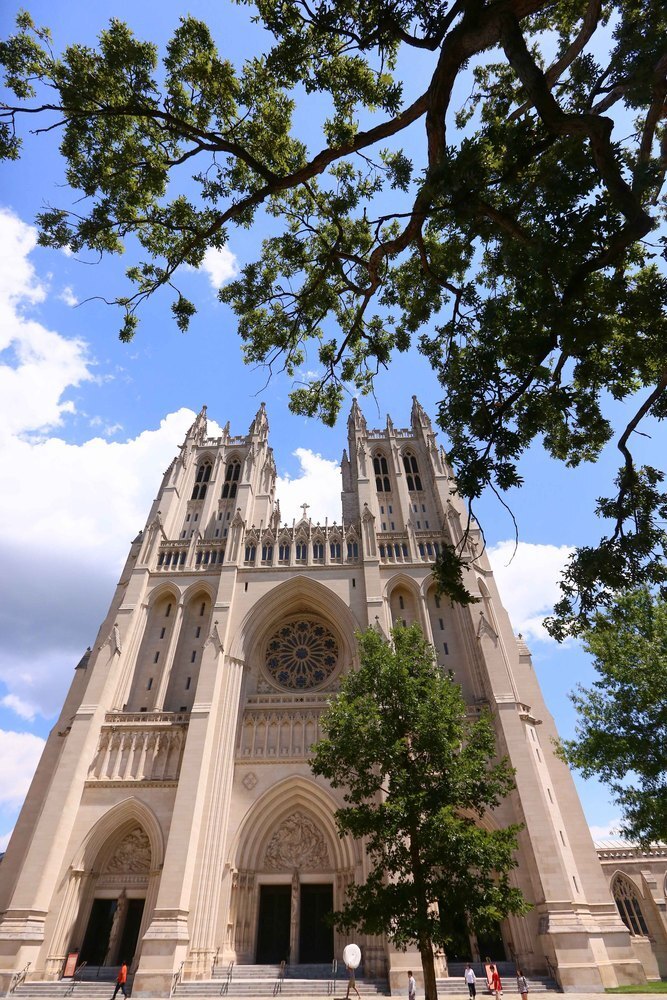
(117,907)
(111,890)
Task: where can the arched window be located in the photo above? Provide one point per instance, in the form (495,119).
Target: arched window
(412,472)
(382,484)
(202,478)
(231,479)
(627,900)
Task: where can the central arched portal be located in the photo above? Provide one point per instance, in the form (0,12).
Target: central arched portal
(292,920)
(293,871)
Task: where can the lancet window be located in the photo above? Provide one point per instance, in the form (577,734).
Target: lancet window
(627,900)
(381,470)
(232,475)
(412,472)
(201,479)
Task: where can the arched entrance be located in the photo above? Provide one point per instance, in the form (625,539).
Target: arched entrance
(117,907)
(292,870)
(111,890)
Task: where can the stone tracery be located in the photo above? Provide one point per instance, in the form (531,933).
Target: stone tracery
(301,654)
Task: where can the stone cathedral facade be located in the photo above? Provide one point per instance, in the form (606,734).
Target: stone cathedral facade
(173,817)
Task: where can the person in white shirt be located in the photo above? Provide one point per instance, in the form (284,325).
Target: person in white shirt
(470,979)
(412,987)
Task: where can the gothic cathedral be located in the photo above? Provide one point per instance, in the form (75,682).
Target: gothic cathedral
(173,819)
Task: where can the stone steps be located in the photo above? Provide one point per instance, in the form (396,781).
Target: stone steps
(454,986)
(93,989)
(288,987)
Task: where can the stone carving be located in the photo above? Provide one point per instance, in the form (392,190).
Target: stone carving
(133,854)
(297,844)
(250,781)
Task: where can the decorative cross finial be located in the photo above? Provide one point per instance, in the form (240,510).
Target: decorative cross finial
(304,508)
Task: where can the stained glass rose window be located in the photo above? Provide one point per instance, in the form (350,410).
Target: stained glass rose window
(301,654)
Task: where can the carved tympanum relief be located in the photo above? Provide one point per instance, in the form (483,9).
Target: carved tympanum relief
(297,843)
(133,854)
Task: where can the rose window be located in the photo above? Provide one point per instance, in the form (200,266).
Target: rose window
(301,654)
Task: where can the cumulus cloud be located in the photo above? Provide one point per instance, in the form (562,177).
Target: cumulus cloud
(607,832)
(68,297)
(528,582)
(80,505)
(65,567)
(38,365)
(220,265)
(317,484)
(19,756)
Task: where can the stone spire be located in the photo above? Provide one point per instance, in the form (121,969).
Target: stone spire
(356,420)
(419,417)
(260,425)
(198,430)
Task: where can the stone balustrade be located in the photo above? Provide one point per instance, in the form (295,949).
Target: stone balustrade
(139,746)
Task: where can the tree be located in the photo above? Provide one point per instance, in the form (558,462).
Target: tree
(518,247)
(418,776)
(621,735)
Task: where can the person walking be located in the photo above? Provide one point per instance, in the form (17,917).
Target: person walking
(412,987)
(121,979)
(351,983)
(470,980)
(522,984)
(496,984)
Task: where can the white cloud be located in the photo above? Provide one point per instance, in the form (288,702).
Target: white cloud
(19,756)
(68,297)
(18,280)
(528,582)
(80,505)
(220,265)
(18,706)
(607,832)
(38,364)
(318,485)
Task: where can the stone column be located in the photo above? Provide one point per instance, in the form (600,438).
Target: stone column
(294,918)
(191,858)
(207,900)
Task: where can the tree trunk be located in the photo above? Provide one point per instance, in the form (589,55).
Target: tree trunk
(428,968)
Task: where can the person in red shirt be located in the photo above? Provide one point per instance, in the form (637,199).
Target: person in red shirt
(121,979)
(496,984)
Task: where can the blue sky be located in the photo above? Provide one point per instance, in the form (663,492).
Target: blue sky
(87,426)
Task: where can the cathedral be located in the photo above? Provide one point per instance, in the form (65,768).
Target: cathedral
(173,821)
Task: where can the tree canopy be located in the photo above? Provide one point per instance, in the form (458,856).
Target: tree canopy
(519,246)
(621,735)
(419,779)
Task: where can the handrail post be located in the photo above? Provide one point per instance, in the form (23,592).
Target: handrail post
(18,978)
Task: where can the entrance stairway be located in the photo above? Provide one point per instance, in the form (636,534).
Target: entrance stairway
(264,981)
(91,984)
(259,981)
(455,986)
